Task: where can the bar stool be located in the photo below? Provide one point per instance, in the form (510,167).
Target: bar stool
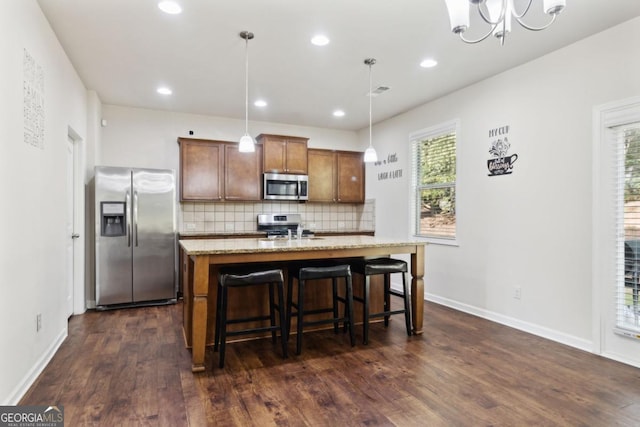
(386,266)
(303,273)
(235,277)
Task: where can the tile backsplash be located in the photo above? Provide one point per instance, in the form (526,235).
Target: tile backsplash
(237,217)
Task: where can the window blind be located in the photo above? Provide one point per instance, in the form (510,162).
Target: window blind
(434,160)
(627,201)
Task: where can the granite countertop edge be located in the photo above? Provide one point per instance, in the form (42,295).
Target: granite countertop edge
(248,245)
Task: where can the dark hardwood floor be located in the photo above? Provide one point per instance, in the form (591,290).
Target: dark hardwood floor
(130,367)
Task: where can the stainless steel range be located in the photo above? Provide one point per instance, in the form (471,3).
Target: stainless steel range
(278,225)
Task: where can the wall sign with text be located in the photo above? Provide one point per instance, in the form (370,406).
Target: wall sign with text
(500,163)
(390,173)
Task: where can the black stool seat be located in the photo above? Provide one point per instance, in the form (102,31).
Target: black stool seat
(256,275)
(326,272)
(316,271)
(385,266)
(379,266)
(239,277)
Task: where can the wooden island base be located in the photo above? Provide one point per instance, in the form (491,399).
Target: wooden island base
(205,257)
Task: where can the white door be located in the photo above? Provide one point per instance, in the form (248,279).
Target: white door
(616,329)
(71,237)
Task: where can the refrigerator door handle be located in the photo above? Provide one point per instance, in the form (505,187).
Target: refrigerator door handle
(128,208)
(135,214)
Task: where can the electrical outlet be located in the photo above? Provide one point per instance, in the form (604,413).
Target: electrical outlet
(190,226)
(228,226)
(38,322)
(517,292)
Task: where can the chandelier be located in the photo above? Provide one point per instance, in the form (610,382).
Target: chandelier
(498,15)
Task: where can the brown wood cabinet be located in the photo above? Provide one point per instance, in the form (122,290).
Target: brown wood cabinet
(350,167)
(201,169)
(336,176)
(215,170)
(322,175)
(284,154)
(242,174)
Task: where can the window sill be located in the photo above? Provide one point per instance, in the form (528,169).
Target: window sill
(437,241)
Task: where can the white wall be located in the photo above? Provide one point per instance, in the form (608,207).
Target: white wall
(32,190)
(148,138)
(530,229)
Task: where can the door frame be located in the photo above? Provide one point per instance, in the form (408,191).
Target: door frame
(604,266)
(79,245)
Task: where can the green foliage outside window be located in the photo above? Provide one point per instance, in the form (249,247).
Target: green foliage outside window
(436,186)
(632,165)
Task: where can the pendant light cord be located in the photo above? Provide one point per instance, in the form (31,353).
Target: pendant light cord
(370,96)
(246,86)
(370,62)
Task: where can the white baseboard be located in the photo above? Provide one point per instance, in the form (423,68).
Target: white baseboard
(531,328)
(36,370)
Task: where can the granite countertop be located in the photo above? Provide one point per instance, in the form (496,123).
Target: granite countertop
(250,245)
(263,233)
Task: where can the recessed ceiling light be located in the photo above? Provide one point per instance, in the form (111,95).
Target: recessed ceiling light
(170,7)
(428,63)
(338,113)
(320,40)
(260,103)
(164,91)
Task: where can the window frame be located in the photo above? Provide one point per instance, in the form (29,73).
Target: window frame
(441,129)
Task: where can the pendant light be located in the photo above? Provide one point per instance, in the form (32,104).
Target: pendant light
(370,153)
(247,143)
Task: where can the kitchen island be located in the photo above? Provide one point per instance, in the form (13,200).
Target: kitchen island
(207,253)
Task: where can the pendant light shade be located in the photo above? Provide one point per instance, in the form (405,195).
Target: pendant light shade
(246,144)
(370,154)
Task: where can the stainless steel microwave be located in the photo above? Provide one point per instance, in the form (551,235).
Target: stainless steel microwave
(278,186)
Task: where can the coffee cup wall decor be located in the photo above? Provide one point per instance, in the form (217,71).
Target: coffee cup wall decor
(501,165)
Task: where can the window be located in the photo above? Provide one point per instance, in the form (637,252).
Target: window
(627,139)
(434,180)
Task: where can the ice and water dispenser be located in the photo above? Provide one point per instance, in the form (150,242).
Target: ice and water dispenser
(112,219)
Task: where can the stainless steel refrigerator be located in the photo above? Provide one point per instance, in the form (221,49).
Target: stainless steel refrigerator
(134,236)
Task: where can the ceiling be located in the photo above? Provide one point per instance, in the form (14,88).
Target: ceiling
(125,49)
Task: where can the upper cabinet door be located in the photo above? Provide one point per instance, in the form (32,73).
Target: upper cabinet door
(350,177)
(284,154)
(296,156)
(243,174)
(322,176)
(201,170)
